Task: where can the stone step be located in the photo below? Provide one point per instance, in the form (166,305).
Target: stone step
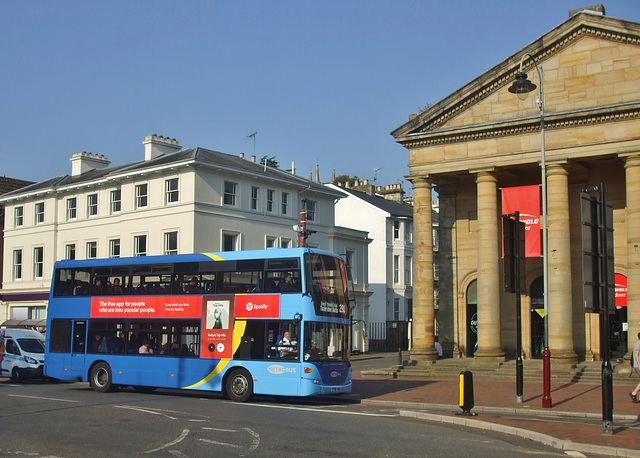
(450,369)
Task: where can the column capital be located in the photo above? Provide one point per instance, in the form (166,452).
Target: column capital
(630,160)
(486,176)
(421,182)
(557,168)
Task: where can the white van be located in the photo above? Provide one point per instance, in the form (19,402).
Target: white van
(22,353)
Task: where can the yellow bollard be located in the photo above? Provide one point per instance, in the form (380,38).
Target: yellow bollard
(466,393)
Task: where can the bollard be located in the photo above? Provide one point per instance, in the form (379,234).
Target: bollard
(466,393)
(399,356)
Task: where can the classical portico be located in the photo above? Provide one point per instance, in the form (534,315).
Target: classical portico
(481,139)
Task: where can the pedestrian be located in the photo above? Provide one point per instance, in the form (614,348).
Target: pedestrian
(635,358)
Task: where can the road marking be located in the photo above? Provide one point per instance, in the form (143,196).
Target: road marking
(39,397)
(220,429)
(178,453)
(139,409)
(574,453)
(255,441)
(180,438)
(309,409)
(208,441)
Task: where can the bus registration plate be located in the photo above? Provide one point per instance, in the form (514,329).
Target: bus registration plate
(335,388)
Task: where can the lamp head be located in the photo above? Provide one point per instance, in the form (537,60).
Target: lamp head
(522,86)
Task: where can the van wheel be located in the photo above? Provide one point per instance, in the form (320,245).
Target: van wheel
(100,379)
(16,375)
(239,386)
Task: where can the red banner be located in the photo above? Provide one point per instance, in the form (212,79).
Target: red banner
(526,200)
(258,306)
(146,307)
(621,290)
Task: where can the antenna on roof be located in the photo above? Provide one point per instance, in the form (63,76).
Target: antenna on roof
(375,174)
(253,135)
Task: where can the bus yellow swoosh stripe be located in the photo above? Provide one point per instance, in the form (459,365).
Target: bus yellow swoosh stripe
(238,332)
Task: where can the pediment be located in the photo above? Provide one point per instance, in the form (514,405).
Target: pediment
(590,66)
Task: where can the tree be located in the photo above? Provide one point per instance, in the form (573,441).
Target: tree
(346,179)
(271,161)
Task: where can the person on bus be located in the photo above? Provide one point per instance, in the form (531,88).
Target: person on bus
(98,287)
(145,349)
(288,347)
(313,353)
(117,288)
(193,287)
(286,285)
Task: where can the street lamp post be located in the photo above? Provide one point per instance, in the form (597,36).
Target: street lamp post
(521,87)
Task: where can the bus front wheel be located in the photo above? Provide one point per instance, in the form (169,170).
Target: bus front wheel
(100,379)
(239,386)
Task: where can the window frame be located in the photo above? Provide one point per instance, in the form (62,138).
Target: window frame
(17,266)
(70,251)
(136,245)
(18,216)
(115,199)
(311,210)
(142,200)
(92,205)
(38,262)
(91,249)
(285,203)
(113,243)
(255,198)
(271,194)
(39,212)
(172,195)
(229,197)
(168,250)
(72,208)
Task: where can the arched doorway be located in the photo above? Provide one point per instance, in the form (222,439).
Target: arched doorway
(537,317)
(472,318)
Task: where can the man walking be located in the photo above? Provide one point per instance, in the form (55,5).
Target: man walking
(635,359)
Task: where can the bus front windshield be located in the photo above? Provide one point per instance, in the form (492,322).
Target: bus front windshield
(325,342)
(328,285)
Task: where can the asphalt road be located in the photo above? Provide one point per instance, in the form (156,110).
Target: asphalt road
(69,420)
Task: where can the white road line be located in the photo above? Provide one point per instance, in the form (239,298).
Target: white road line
(185,433)
(220,429)
(255,440)
(39,397)
(178,453)
(139,409)
(219,443)
(574,453)
(309,409)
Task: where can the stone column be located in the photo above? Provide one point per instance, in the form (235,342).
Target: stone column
(560,302)
(489,341)
(632,169)
(423,302)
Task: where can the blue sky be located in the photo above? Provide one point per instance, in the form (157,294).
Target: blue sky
(320,81)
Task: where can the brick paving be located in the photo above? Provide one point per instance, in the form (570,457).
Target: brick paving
(575,415)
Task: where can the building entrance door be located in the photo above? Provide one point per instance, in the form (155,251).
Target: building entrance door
(472,318)
(537,318)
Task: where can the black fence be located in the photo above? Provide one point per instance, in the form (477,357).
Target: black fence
(388,336)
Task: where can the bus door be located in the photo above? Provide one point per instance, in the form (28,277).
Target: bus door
(79,345)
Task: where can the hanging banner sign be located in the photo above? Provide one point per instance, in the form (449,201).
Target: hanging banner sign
(621,290)
(526,200)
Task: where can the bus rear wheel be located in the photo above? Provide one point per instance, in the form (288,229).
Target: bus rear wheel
(239,386)
(100,379)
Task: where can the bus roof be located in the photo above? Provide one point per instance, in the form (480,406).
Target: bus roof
(269,253)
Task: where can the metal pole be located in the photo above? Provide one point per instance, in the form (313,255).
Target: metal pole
(519,368)
(607,370)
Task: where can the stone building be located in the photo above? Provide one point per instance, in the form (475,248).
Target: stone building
(482,138)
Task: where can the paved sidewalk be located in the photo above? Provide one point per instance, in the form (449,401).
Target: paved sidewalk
(575,415)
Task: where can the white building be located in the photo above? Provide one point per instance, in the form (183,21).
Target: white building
(389,223)
(173,201)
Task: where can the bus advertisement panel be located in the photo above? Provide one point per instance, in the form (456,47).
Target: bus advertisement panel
(269,322)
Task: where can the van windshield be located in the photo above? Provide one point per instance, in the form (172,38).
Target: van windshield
(32,345)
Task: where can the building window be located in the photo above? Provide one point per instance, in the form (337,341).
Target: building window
(114,248)
(396,230)
(140,245)
(408,232)
(229,242)
(17,264)
(396,309)
(285,243)
(171,187)
(171,243)
(407,271)
(38,262)
(71,208)
(270,242)
(70,251)
(255,193)
(270,196)
(285,203)
(40,213)
(92,250)
(396,269)
(141,196)
(18,217)
(230,190)
(350,261)
(311,210)
(116,201)
(92,204)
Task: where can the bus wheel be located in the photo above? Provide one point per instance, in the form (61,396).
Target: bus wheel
(100,379)
(16,376)
(239,386)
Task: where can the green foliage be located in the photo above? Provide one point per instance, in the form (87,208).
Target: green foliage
(346,179)
(271,161)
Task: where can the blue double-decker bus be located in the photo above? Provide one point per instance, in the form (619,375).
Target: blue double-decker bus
(272,321)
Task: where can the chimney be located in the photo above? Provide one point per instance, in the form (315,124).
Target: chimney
(157,145)
(317,173)
(241,155)
(84,162)
(593,9)
(392,192)
(253,158)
